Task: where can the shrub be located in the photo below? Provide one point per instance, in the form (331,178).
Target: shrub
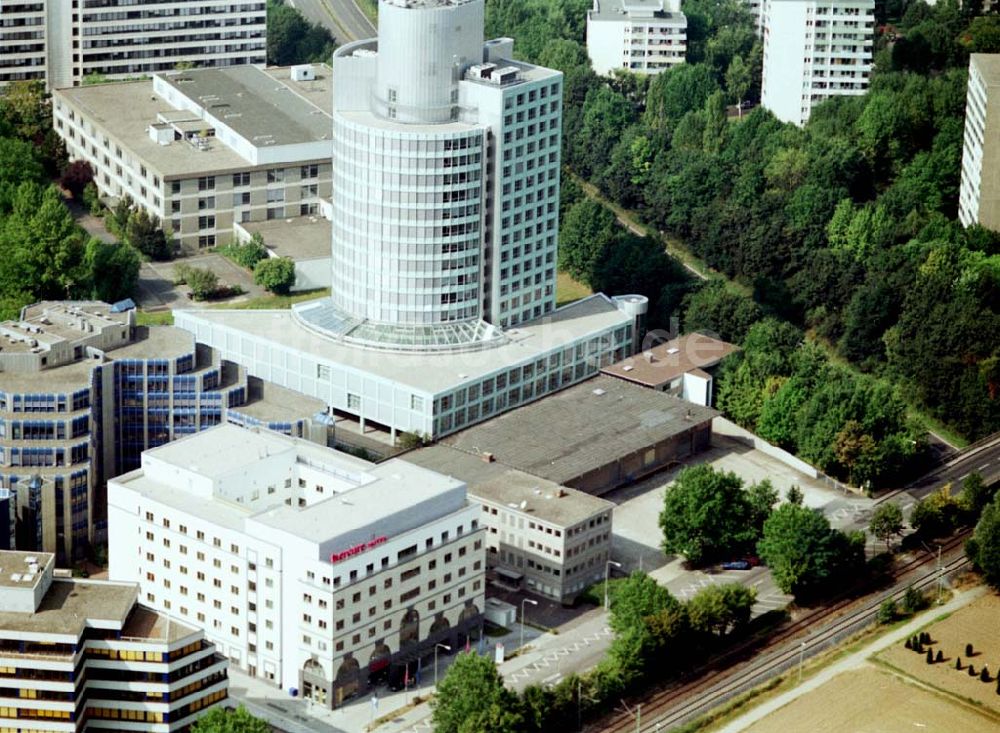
(972,670)
(940,656)
(968,650)
(913,600)
(958,663)
(92,199)
(907,643)
(246,254)
(985,674)
(204,283)
(887,614)
(930,656)
(276,274)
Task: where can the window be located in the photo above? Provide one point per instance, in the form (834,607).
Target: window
(276,175)
(241,179)
(206,183)
(310,171)
(353,401)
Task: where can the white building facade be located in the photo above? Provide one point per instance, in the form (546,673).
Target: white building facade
(642,36)
(979,195)
(64,42)
(308,568)
(814,50)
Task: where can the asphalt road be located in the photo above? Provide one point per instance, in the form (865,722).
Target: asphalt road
(984,459)
(343,17)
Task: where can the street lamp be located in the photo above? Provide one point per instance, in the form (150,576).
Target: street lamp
(607,572)
(802,650)
(533,603)
(447,649)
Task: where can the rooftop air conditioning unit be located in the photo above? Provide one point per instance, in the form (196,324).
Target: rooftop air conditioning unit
(303,72)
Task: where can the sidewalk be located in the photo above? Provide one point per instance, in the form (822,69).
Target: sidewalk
(853,661)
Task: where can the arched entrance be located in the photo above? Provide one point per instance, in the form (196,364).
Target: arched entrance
(315,685)
(440,625)
(378,666)
(347,682)
(409,629)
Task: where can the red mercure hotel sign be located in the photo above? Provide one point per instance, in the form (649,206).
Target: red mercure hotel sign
(358,549)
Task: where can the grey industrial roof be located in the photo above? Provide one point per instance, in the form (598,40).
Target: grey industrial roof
(271,403)
(582,428)
(248,100)
(498,483)
(71,604)
(433,373)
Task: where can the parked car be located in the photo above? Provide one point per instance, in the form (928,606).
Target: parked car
(736,565)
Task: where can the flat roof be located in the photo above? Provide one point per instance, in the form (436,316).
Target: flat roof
(247,100)
(433,373)
(272,403)
(127,110)
(988,65)
(581,428)
(621,11)
(301,238)
(17,564)
(155,342)
(667,361)
(500,484)
(71,604)
(65,378)
(145,623)
(372,493)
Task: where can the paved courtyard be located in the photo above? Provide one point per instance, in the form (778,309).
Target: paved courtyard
(156,289)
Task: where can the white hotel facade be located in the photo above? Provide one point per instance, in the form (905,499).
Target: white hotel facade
(445,198)
(814,50)
(308,568)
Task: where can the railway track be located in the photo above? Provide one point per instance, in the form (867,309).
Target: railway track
(802,639)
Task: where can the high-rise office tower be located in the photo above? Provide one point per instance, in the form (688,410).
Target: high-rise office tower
(445,185)
(814,50)
(979,196)
(64,41)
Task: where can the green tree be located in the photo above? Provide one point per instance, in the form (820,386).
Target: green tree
(738,81)
(976,493)
(638,597)
(291,39)
(471,689)
(804,552)
(144,233)
(761,498)
(203,282)
(222,720)
(706,515)
(886,523)
(716,308)
(583,236)
(113,269)
(276,274)
(721,610)
(983,548)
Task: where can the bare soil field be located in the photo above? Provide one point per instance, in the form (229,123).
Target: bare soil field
(978,624)
(870,700)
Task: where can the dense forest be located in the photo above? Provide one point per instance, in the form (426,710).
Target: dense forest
(837,243)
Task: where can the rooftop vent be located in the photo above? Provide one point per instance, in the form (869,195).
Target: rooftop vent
(599,392)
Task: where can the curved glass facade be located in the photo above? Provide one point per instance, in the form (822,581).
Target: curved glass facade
(407,223)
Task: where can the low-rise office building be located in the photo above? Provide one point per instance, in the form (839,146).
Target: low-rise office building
(683,366)
(309,568)
(540,536)
(203,149)
(62,42)
(979,195)
(82,655)
(642,36)
(84,390)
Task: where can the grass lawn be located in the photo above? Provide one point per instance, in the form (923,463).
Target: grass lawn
(568,289)
(272,302)
(157,318)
